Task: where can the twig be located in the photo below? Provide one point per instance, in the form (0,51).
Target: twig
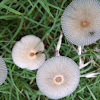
(31,81)
(7,41)
(39,97)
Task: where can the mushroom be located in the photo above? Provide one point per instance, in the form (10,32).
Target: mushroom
(28,52)
(81,22)
(3,71)
(58,77)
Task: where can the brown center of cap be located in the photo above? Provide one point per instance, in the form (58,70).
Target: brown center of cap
(84,23)
(58,79)
(32,54)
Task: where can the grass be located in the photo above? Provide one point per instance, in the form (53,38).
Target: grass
(43,19)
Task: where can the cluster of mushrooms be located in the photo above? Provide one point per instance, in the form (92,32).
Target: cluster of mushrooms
(59,76)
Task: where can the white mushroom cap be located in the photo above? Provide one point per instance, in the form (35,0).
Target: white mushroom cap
(3,71)
(26,54)
(58,77)
(81,22)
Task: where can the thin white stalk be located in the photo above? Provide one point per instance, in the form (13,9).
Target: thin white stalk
(84,65)
(80,59)
(59,45)
(81,62)
(90,75)
(79,50)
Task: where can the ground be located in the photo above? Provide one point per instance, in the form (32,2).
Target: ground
(43,19)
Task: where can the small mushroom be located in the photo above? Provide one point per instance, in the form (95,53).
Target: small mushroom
(28,52)
(58,77)
(81,22)
(3,71)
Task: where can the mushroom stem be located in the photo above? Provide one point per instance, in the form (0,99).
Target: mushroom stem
(59,45)
(80,59)
(81,62)
(79,50)
(91,74)
(84,65)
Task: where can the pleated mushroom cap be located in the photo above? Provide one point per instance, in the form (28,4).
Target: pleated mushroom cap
(27,53)
(81,22)
(58,77)
(3,71)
